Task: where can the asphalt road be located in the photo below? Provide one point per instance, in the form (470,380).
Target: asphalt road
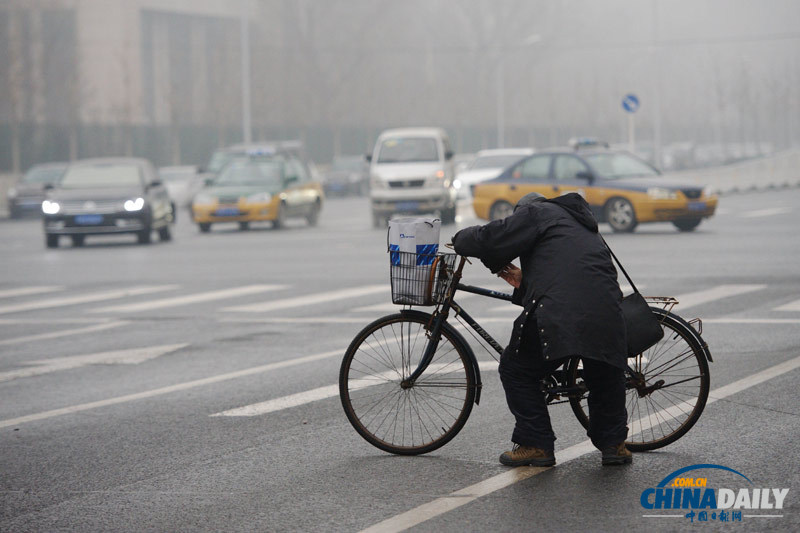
(116,357)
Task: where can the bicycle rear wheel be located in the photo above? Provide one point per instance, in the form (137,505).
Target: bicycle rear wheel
(667,391)
(414,419)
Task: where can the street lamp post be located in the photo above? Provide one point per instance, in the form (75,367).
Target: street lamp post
(501,85)
(247,129)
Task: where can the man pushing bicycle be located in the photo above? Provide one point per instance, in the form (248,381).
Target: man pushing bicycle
(568,288)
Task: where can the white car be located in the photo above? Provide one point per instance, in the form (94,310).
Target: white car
(486,165)
(182,182)
(412,172)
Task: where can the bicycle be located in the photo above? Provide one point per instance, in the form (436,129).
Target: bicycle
(408,380)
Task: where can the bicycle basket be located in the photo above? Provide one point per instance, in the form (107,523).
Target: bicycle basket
(421,279)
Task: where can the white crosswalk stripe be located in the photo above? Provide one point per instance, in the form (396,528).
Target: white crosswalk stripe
(312,299)
(716,293)
(64,333)
(766,212)
(28,291)
(84,298)
(791,306)
(189,299)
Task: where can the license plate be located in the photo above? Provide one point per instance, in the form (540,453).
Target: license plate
(227,212)
(407,206)
(697,206)
(88,220)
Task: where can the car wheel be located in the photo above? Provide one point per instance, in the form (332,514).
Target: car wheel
(143,236)
(280,220)
(77,240)
(164,234)
(244,226)
(687,224)
(205,227)
(500,210)
(620,215)
(449,215)
(313,216)
(51,241)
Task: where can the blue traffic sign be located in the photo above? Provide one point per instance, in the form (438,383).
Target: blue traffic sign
(630,103)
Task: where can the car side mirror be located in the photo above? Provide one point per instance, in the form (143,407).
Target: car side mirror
(155,183)
(291,179)
(368,157)
(449,155)
(584,175)
(48,187)
(208,181)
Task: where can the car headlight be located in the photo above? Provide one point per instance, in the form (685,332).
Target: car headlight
(376,182)
(709,190)
(457,184)
(11,193)
(260,198)
(204,199)
(50,208)
(660,193)
(134,205)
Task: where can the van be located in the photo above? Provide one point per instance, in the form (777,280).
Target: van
(412,172)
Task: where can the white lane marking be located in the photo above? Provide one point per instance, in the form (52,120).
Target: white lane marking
(311,299)
(189,299)
(84,298)
(51,321)
(791,306)
(132,356)
(28,291)
(716,293)
(169,389)
(766,212)
(321,393)
(65,333)
(751,321)
(469,494)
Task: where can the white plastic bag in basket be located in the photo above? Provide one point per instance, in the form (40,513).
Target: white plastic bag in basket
(414,235)
(419,239)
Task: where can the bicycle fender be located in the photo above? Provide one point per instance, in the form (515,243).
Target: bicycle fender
(696,336)
(476,372)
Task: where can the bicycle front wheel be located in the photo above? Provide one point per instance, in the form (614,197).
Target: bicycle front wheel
(666,392)
(411,419)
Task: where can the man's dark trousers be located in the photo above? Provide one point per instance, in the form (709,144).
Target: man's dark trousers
(521,374)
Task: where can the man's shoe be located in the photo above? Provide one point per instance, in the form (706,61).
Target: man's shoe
(527,455)
(616,454)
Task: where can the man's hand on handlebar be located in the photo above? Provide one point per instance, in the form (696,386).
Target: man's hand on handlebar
(512,275)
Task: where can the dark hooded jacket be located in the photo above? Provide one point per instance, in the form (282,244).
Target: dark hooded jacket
(569,283)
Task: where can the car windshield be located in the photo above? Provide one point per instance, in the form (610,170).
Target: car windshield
(112,175)
(408,150)
(618,166)
(267,173)
(495,161)
(219,160)
(43,175)
(350,164)
(176,175)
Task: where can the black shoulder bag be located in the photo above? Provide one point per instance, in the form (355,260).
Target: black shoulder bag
(644,329)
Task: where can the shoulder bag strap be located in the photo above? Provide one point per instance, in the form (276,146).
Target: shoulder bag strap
(618,263)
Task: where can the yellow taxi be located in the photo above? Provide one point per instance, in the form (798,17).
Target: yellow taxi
(269,185)
(621,189)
